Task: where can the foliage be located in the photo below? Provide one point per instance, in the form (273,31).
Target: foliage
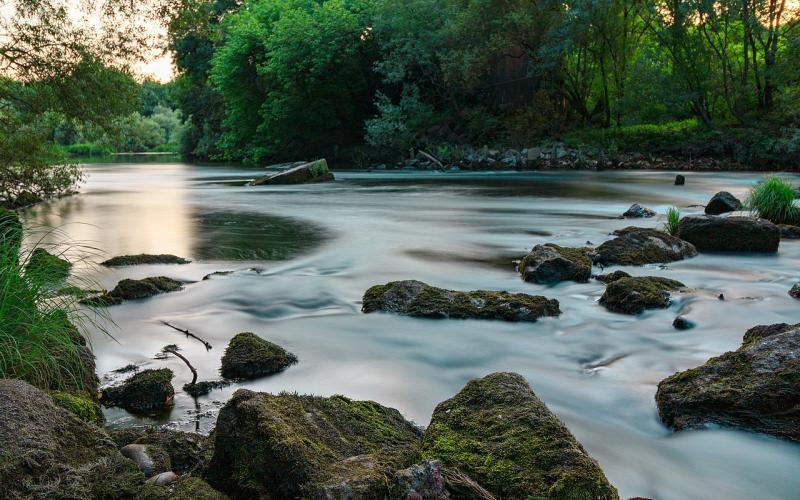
(774,199)
(673,220)
(85,409)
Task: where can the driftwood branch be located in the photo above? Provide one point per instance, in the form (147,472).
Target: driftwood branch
(173,349)
(431,158)
(189,334)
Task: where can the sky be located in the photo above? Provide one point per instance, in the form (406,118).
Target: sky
(160,68)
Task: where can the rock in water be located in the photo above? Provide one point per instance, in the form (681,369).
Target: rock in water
(500,434)
(612,277)
(721,203)
(290,446)
(129,289)
(636,246)
(149,459)
(681,323)
(795,291)
(147,391)
(415,298)
(550,263)
(143,259)
(634,295)
(712,233)
(637,211)
(248,356)
(755,387)
(680,180)
(789,232)
(316,171)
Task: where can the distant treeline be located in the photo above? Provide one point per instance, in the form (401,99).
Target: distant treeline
(270,79)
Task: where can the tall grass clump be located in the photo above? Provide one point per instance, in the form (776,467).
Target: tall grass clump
(673,220)
(774,199)
(39,340)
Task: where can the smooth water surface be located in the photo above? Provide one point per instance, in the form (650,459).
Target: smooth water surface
(302,257)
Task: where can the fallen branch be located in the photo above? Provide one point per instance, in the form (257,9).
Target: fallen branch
(190,334)
(173,349)
(431,158)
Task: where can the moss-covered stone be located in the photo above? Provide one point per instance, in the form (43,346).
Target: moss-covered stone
(46,267)
(146,391)
(636,246)
(143,259)
(85,409)
(316,171)
(187,487)
(415,298)
(612,277)
(756,387)
(551,263)
(712,233)
(500,434)
(290,446)
(188,451)
(248,356)
(634,295)
(129,289)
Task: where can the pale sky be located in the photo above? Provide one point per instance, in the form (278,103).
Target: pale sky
(160,68)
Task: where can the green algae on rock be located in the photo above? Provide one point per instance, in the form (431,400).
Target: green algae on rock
(144,259)
(290,446)
(500,434)
(636,246)
(756,387)
(248,356)
(129,289)
(415,298)
(551,263)
(85,409)
(146,391)
(634,295)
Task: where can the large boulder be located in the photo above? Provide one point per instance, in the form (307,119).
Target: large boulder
(723,202)
(550,263)
(144,259)
(46,452)
(755,387)
(634,295)
(415,298)
(291,446)
(637,211)
(248,356)
(146,392)
(636,246)
(712,233)
(316,171)
(501,435)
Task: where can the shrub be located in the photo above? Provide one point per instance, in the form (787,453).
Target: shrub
(774,199)
(673,219)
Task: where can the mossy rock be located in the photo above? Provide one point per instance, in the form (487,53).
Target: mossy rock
(129,289)
(636,246)
(612,276)
(248,356)
(85,409)
(756,387)
(144,392)
(144,259)
(415,298)
(712,233)
(291,446)
(551,263)
(188,487)
(46,267)
(501,435)
(188,451)
(10,232)
(634,295)
(315,171)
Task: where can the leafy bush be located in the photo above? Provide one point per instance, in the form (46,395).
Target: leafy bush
(88,149)
(774,199)
(673,219)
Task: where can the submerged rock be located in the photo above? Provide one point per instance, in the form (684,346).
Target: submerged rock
(316,171)
(680,180)
(612,277)
(637,211)
(149,459)
(636,246)
(501,435)
(756,387)
(550,263)
(248,356)
(634,295)
(712,233)
(291,446)
(129,289)
(415,298)
(789,232)
(146,391)
(143,259)
(681,323)
(723,202)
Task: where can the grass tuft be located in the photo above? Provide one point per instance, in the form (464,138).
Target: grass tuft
(774,199)
(673,220)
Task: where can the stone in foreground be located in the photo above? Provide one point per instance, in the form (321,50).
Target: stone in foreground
(756,387)
(634,295)
(551,263)
(290,446)
(636,246)
(147,391)
(415,298)
(248,356)
(712,233)
(316,171)
(723,202)
(144,259)
(501,435)
(637,211)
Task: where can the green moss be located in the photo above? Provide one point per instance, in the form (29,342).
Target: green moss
(551,263)
(143,259)
(188,487)
(47,267)
(373,298)
(145,391)
(635,294)
(249,356)
(85,409)
(129,289)
(318,168)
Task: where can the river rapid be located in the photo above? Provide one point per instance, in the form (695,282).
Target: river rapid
(302,256)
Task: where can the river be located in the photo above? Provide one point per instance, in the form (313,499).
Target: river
(302,256)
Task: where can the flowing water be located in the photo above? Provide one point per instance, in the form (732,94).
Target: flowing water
(302,256)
